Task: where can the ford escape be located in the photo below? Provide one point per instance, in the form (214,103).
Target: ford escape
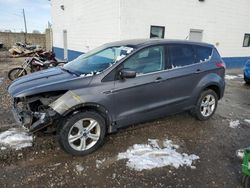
(116,85)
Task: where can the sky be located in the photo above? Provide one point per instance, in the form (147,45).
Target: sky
(38,13)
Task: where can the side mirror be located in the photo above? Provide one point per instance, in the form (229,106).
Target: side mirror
(126,73)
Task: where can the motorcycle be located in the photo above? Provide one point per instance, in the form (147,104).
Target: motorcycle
(39,61)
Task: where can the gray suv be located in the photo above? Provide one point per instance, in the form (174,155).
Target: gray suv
(116,85)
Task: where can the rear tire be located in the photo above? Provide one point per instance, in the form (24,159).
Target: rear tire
(82,133)
(206,105)
(16,73)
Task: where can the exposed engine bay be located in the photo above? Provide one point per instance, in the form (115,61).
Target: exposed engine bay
(34,112)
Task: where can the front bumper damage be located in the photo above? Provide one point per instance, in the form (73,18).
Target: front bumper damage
(34,121)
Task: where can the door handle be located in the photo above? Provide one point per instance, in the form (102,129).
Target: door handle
(158,79)
(108,92)
(198,71)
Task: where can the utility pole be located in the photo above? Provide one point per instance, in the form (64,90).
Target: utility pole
(24,19)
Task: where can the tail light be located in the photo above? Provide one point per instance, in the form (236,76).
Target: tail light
(220,64)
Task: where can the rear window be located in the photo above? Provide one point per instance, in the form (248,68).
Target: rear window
(202,53)
(181,55)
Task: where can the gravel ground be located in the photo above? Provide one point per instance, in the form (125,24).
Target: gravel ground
(46,165)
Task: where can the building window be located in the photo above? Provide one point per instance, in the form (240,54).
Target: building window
(157,32)
(246,42)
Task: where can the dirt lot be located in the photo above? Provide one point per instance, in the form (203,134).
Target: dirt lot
(46,165)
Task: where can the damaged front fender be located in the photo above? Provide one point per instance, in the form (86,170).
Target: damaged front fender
(71,101)
(66,102)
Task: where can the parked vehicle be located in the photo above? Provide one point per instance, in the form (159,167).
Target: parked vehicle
(119,84)
(246,72)
(39,61)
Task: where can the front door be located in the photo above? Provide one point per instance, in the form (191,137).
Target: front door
(138,98)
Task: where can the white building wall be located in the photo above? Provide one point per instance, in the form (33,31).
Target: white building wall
(223,22)
(89,23)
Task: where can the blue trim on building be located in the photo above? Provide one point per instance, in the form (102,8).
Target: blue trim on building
(235,62)
(72,54)
(231,62)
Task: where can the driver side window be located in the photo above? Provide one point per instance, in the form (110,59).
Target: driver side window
(148,60)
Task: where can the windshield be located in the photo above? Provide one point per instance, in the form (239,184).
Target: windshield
(97,60)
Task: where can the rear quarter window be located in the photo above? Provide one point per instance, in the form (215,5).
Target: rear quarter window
(216,54)
(202,53)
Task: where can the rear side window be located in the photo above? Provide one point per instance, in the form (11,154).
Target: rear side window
(181,55)
(202,53)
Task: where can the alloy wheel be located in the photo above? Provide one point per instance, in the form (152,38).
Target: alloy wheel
(84,134)
(208,105)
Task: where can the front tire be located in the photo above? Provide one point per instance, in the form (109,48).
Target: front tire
(82,133)
(206,105)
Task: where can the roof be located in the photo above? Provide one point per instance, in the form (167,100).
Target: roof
(137,43)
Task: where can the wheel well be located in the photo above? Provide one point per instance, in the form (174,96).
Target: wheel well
(96,108)
(215,88)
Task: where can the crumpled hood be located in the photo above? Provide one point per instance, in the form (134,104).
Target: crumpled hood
(53,79)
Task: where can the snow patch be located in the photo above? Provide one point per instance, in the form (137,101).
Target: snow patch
(176,67)
(247,120)
(205,60)
(90,74)
(231,77)
(120,57)
(234,124)
(127,49)
(240,76)
(151,155)
(79,168)
(3,148)
(99,162)
(15,138)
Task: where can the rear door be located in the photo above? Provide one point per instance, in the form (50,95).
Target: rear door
(183,75)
